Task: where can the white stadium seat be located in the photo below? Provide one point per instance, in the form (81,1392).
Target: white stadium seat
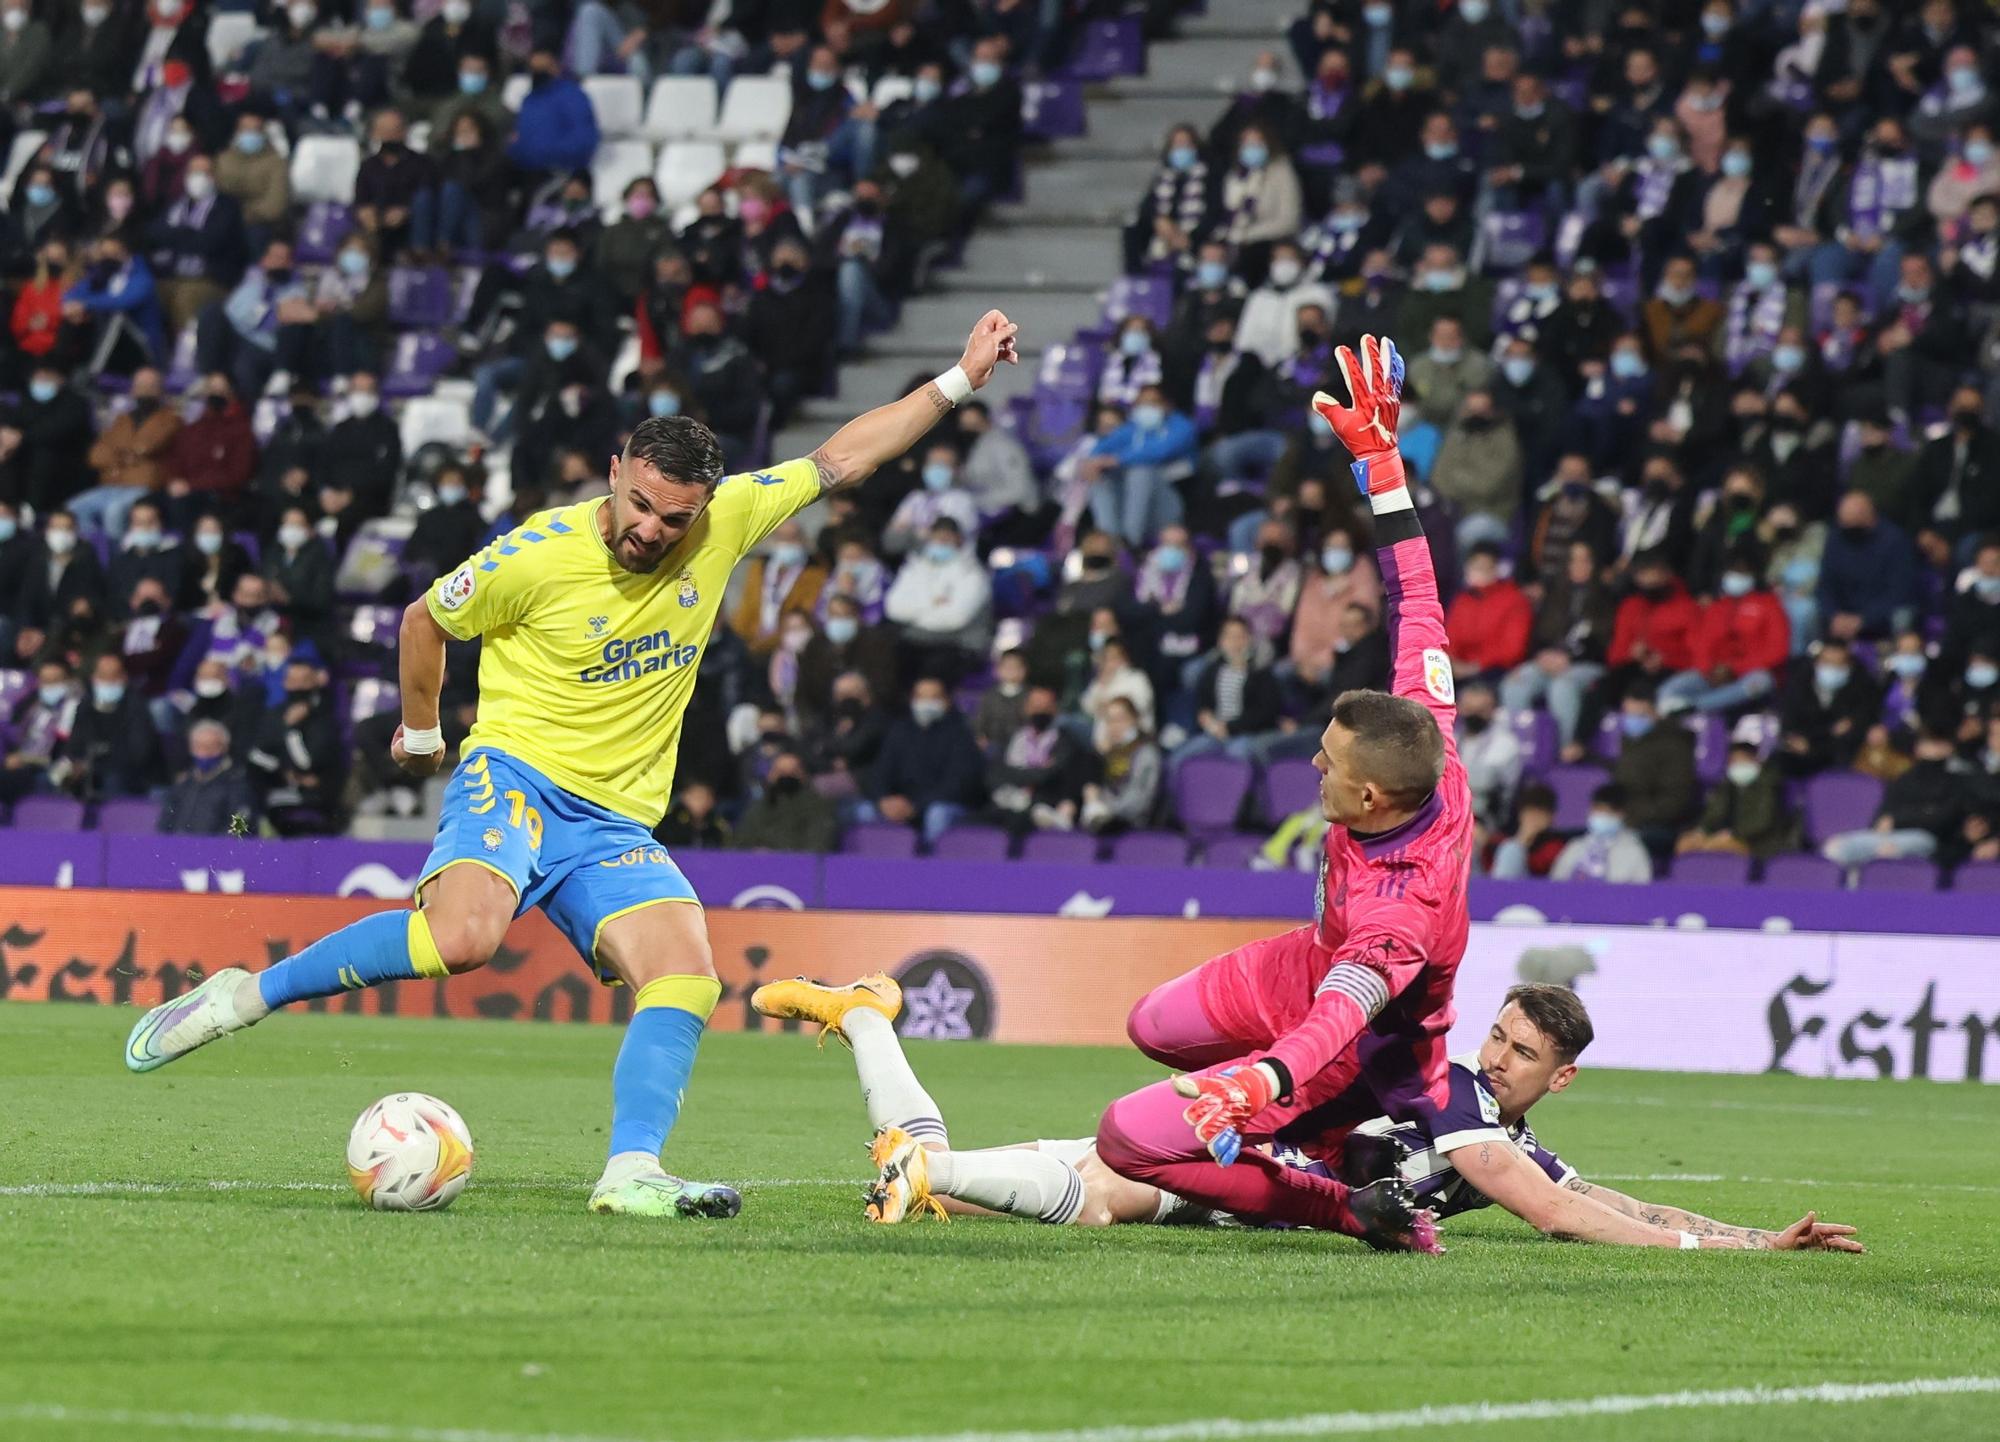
(617,101)
(25,146)
(755,155)
(228,32)
(434,418)
(516,90)
(892,88)
(682,107)
(324,167)
(757,107)
(616,165)
(687,168)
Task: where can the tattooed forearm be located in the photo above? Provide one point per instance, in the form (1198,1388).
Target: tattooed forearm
(831,477)
(939,401)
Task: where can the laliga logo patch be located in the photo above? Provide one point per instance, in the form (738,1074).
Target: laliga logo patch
(456,589)
(1437,675)
(685,591)
(1489,1109)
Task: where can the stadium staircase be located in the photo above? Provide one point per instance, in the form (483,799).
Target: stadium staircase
(1048,260)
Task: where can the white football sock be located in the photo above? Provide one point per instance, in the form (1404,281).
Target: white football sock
(891,1091)
(1019,1182)
(248,999)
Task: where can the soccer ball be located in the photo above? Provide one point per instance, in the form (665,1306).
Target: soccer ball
(409,1153)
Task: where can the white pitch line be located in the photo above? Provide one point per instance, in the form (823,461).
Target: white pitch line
(151,1189)
(1210,1429)
(1857,1185)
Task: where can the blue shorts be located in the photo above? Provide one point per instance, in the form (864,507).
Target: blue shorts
(580,862)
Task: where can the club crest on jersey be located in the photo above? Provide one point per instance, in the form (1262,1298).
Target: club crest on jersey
(685,592)
(456,589)
(491,838)
(1437,675)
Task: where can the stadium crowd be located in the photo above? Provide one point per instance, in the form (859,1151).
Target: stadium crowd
(1695,295)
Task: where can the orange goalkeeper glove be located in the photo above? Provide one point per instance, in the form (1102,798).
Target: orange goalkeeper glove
(1367,426)
(1223,1102)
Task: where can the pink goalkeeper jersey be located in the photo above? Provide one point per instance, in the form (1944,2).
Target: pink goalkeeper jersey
(1391,908)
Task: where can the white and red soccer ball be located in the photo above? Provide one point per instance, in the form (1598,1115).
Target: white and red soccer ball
(409,1153)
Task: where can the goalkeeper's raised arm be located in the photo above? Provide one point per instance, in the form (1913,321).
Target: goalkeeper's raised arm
(853,452)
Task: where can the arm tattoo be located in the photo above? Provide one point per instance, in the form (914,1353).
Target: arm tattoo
(1580,1186)
(939,401)
(830,477)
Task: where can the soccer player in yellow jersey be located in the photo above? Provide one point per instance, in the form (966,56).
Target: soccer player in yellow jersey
(594,617)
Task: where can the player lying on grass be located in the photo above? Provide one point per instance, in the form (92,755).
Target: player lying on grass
(1270,1029)
(594,618)
(1474,1151)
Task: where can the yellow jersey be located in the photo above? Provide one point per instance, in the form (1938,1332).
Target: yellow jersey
(586,669)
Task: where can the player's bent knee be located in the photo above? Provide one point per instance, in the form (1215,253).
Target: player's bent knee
(467,942)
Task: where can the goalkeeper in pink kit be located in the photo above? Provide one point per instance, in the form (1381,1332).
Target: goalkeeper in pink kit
(1309,1032)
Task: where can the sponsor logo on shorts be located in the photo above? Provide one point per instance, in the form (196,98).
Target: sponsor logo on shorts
(491,838)
(1437,675)
(456,589)
(640,856)
(627,660)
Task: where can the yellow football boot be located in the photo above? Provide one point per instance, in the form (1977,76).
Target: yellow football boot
(803,1000)
(902,1188)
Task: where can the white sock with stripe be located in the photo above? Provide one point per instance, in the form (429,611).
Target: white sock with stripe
(1019,1182)
(889,1088)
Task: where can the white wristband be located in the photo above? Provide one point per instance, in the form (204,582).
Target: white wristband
(423,740)
(955,384)
(1690,1242)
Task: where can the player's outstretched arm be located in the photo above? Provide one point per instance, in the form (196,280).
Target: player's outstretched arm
(1421,668)
(1809,1233)
(853,452)
(1504,1173)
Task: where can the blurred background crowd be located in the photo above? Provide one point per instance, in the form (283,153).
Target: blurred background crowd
(1698,298)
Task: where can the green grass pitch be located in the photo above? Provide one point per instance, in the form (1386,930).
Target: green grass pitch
(279,1302)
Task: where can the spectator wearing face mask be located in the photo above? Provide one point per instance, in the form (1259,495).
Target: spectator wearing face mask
(1175,211)
(1534,844)
(790,326)
(129,456)
(1909,688)
(1133,469)
(1236,700)
(144,553)
(1001,705)
(1867,579)
(788,815)
(579,417)
(448,532)
(1268,327)
(1746,813)
(1924,813)
(1489,620)
(1740,642)
(455,64)
(1491,753)
(844,737)
(1827,710)
(1261,199)
(1956,484)
(929,772)
(65,573)
(1444,375)
(253,175)
(352,298)
(1964,696)
(1114,677)
(196,245)
(298,568)
(785,581)
(939,498)
(726,379)
(844,643)
(1175,600)
(1677,314)
(942,598)
(211,566)
(1441,285)
(1608,850)
(37,730)
(1126,792)
(1341,576)
(207,798)
(1923,340)
(1036,781)
(555,129)
(162,175)
(45,440)
(363,456)
(1974,611)
(626,248)
(1265,596)
(1479,469)
(296,760)
(213,457)
(692,822)
(1653,635)
(265,324)
(112,748)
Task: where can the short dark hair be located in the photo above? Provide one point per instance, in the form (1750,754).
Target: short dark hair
(1538,794)
(1557,1013)
(1396,742)
(680,448)
(1612,795)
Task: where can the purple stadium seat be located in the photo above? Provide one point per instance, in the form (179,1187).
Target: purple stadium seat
(1145,295)
(1981,878)
(419,359)
(1839,801)
(1539,742)
(1803,873)
(1052,109)
(1234,851)
(1513,237)
(1069,368)
(884,839)
(1711,747)
(1065,848)
(1609,739)
(1057,421)
(1290,786)
(372,696)
(182,371)
(327,223)
(1160,848)
(129,816)
(1572,786)
(1903,874)
(420,296)
(972,843)
(48,813)
(1109,48)
(1711,868)
(1209,791)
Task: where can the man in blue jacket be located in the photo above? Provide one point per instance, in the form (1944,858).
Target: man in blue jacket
(556,129)
(1868,574)
(119,285)
(1135,466)
(930,770)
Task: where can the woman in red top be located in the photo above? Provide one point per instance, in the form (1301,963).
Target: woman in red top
(37,319)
